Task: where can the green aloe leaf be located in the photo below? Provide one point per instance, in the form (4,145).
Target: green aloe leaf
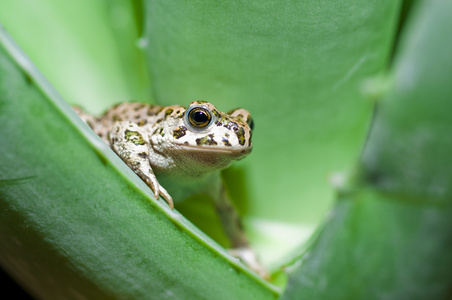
(77,223)
(390,234)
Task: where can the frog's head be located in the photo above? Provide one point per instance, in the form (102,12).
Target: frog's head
(202,134)
(204,128)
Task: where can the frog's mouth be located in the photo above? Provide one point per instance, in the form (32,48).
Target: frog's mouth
(214,150)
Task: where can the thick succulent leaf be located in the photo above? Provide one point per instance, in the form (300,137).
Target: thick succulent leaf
(390,233)
(76,222)
(299,68)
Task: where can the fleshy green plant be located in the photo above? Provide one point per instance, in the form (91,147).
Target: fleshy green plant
(350,100)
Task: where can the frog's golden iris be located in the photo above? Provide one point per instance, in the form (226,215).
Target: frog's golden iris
(199,117)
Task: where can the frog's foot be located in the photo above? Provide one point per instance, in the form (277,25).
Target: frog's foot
(249,257)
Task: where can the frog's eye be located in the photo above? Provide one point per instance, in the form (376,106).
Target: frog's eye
(199,117)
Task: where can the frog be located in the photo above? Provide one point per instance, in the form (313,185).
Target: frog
(184,148)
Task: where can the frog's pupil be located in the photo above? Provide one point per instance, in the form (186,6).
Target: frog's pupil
(200,117)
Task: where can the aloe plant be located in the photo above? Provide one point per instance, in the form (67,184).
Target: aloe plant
(77,222)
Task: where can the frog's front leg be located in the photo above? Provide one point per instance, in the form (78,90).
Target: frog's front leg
(130,142)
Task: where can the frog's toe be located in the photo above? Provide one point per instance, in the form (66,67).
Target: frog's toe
(156,192)
(152,182)
(167,197)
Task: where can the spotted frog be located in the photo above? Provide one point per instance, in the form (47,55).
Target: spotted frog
(186,148)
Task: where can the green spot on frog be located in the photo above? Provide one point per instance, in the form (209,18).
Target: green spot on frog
(180,115)
(216,113)
(200,102)
(168,112)
(231,125)
(134,137)
(240,133)
(226,142)
(207,140)
(179,132)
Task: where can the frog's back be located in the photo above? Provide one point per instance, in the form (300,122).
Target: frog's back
(139,113)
